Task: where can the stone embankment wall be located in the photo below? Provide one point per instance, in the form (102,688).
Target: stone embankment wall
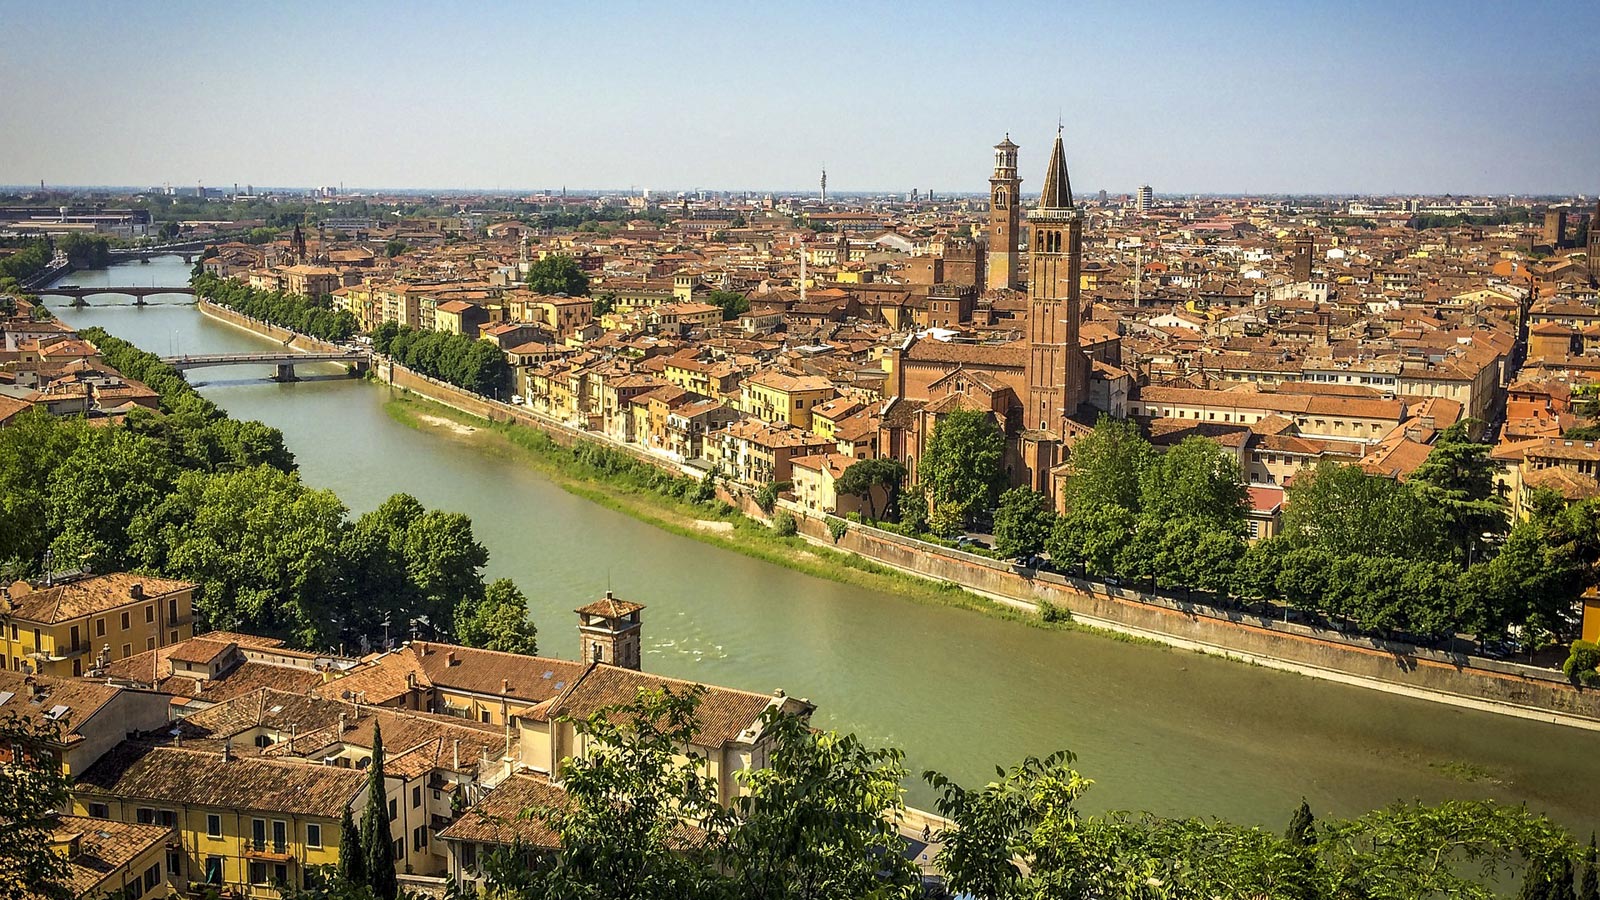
(1436,675)
(294,340)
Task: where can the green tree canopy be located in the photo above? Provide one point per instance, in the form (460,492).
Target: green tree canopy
(376,844)
(865,477)
(963,466)
(732,303)
(1198,478)
(499,621)
(32,789)
(1457,479)
(1107,465)
(1022,523)
(558,274)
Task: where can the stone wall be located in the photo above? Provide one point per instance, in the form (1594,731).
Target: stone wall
(294,340)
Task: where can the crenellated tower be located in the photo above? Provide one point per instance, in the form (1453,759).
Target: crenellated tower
(1005,205)
(1058,370)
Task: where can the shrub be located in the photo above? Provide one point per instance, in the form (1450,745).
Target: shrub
(767,497)
(783,523)
(1582,661)
(1049,612)
(837,527)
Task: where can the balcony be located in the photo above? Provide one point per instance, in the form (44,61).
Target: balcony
(268,852)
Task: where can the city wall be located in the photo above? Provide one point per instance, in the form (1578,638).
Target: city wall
(1455,678)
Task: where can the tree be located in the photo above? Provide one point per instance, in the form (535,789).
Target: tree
(604,303)
(1302,827)
(352,856)
(499,621)
(1090,534)
(112,478)
(1022,523)
(558,274)
(1589,889)
(33,447)
(732,303)
(1458,479)
(818,822)
(33,788)
(1196,479)
(621,828)
(963,463)
(1107,464)
(394,248)
(376,844)
(864,477)
(1340,507)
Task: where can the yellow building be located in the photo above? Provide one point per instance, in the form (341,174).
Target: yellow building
(66,627)
(243,824)
(773,396)
(113,859)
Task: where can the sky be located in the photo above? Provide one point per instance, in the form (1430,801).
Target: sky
(1403,96)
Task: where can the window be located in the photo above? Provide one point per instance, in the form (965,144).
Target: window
(416,797)
(166,817)
(152,877)
(280,874)
(126,622)
(213,826)
(144,815)
(213,873)
(280,836)
(127,650)
(258,873)
(99,627)
(400,848)
(258,837)
(172,638)
(174,864)
(485,715)
(99,811)
(150,612)
(394,811)
(150,643)
(172,609)
(313,835)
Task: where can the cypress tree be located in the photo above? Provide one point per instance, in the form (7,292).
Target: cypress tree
(352,855)
(1303,827)
(375,839)
(1562,889)
(1591,878)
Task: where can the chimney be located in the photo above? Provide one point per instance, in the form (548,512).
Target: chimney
(450,658)
(292,729)
(341,726)
(411,681)
(227,750)
(136,590)
(505,685)
(455,754)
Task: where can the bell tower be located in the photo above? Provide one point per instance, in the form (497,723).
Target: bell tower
(1058,370)
(608,632)
(1005,204)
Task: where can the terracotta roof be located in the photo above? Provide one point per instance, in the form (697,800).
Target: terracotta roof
(86,596)
(609,607)
(104,847)
(530,678)
(183,776)
(724,713)
(509,813)
(70,701)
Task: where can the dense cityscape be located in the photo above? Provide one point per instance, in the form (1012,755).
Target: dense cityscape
(1037,541)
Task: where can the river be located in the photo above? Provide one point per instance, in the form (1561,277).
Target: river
(1165,730)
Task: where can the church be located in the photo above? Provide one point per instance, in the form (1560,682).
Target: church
(1045,389)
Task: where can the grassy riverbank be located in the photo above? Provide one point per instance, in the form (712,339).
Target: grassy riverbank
(646,497)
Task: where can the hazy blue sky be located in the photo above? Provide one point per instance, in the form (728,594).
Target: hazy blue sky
(1404,96)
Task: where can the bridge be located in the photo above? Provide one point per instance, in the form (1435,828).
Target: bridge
(283,362)
(78,294)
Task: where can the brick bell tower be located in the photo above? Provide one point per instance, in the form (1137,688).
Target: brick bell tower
(1005,205)
(608,632)
(1058,370)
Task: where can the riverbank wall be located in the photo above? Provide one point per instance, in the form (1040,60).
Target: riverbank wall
(1457,678)
(1454,678)
(294,340)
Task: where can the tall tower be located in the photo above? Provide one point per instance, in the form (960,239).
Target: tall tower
(1304,251)
(1058,370)
(824,184)
(1005,205)
(1594,244)
(608,631)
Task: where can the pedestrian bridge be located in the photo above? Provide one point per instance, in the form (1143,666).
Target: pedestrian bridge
(283,362)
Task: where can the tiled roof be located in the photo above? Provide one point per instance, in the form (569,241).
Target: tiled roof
(185,776)
(503,815)
(723,715)
(70,701)
(103,848)
(609,607)
(86,596)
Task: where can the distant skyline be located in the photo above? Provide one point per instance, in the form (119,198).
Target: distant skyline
(1428,97)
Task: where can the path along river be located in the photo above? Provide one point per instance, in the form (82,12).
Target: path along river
(1159,729)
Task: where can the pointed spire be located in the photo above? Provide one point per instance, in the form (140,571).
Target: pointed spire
(1057,193)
